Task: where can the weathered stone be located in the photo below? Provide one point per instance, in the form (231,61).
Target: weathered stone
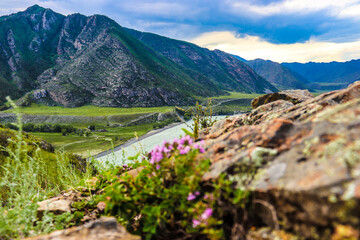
(293,96)
(304,160)
(105,228)
(54,205)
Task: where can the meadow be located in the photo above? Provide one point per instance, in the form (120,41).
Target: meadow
(90,111)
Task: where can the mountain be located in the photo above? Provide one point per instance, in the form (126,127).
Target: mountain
(240,58)
(81,60)
(328,76)
(223,69)
(277,74)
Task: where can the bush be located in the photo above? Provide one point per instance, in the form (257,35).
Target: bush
(167,199)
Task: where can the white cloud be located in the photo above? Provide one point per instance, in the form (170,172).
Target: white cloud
(251,47)
(292,6)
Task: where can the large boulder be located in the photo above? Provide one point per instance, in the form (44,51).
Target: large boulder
(303,160)
(293,96)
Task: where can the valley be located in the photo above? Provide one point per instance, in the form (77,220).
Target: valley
(112,126)
(107,132)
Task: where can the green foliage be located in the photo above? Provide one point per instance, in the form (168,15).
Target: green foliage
(159,196)
(202,117)
(168,198)
(30,172)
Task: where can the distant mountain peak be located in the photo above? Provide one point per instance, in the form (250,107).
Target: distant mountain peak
(35,8)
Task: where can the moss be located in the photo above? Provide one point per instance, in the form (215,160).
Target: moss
(258,155)
(309,144)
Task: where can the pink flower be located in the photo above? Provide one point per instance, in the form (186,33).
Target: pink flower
(157,166)
(195,223)
(201,150)
(206,214)
(185,150)
(191,197)
(197,193)
(186,140)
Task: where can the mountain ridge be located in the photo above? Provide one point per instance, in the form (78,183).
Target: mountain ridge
(93,60)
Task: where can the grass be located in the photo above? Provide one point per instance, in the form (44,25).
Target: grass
(95,143)
(28,174)
(90,111)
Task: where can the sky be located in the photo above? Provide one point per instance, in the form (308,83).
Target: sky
(277,30)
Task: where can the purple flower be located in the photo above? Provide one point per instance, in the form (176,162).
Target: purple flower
(185,150)
(206,214)
(125,165)
(186,140)
(201,150)
(197,193)
(157,166)
(195,223)
(191,197)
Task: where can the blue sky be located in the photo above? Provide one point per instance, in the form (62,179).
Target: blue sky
(279,30)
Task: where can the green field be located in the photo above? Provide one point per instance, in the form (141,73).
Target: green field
(95,143)
(102,118)
(90,111)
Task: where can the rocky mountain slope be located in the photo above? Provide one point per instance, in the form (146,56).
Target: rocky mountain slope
(327,76)
(277,74)
(92,60)
(224,70)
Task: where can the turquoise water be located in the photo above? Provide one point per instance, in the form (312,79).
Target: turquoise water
(145,145)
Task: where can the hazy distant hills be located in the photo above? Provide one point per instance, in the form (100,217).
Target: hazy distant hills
(92,60)
(277,74)
(328,76)
(311,75)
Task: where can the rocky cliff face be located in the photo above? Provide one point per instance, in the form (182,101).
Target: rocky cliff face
(93,60)
(277,74)
(223,69)
(305,158)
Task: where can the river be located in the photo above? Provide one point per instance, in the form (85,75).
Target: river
(121,153)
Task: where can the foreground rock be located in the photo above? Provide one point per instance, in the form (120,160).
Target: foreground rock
(301,160)
(293,96)
(103,229)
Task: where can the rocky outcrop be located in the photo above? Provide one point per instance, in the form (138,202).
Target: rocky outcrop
(293,96)
(301,160)
(106,228)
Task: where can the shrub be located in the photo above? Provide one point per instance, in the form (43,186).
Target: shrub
(92,127)
(168,200)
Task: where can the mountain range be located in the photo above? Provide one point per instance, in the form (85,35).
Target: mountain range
(78,60)
(311,75)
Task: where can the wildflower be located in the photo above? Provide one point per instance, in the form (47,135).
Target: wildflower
(195,223)
(186,140)
(185,150)
(197,193)
(191,197)
(206,214)
(157,166)
(125,165)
